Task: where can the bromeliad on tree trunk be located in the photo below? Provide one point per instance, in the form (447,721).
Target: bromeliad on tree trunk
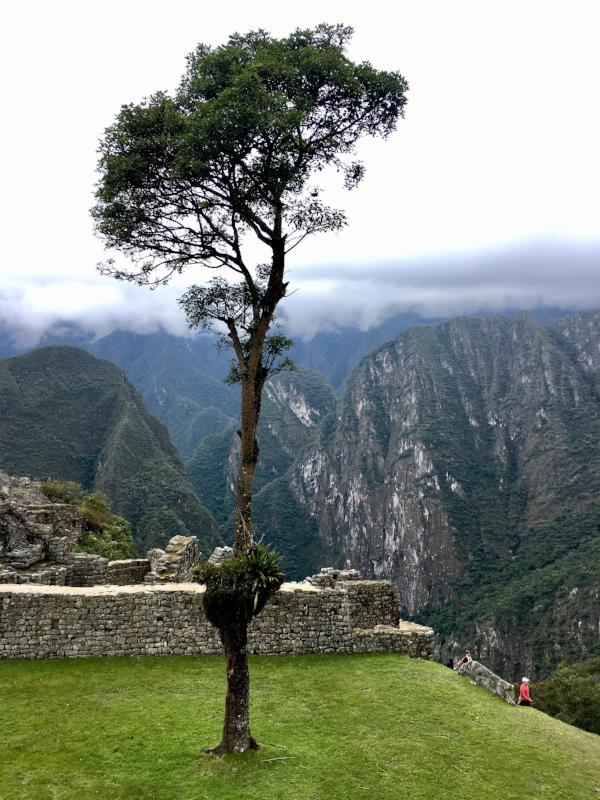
(184,180)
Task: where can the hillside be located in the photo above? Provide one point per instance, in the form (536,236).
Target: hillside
(348,727)
(464,464)
(181,381)
(68,415)
(293,406)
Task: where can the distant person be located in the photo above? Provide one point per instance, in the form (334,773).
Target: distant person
(465,659)
(524,698)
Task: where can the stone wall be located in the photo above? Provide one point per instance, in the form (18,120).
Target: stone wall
(415,641)
(49,575)
(59,621)
(372,603)
(85,569)
(81,569)
(175,563)
(128,571)
(483,676)
(39,539)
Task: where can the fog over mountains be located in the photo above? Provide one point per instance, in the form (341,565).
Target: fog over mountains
(325,298)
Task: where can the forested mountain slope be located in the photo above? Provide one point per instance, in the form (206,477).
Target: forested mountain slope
(69,415)
(293,405)
(464,460)
(181,381)
(180,378)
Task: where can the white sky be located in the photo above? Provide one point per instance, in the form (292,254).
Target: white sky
(499,145)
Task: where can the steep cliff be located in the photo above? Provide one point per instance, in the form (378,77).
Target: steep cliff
(453,450)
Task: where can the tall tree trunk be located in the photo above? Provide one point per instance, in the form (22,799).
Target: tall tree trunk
(236,727)
(248,457)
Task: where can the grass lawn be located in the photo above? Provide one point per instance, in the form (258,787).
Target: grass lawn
(365,727)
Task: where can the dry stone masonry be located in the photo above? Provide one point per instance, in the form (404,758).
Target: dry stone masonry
(175,563)
(56,602)
(60,621)
(39,539)
(220,554)
(36,536)
(483,676)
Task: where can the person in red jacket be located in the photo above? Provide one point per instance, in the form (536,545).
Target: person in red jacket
(524,698)
(465,659)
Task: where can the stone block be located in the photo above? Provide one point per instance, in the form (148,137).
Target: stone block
(482,676)
(175,563)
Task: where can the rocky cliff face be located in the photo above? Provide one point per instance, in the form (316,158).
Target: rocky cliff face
(293,406)
(450,445)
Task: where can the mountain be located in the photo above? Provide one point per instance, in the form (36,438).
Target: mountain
(455,464)
(337,351)
(463,462)
(181,381)
(180,378)
(293,405)
(69,415)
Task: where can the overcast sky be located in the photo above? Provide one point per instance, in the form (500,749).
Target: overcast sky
(487,197)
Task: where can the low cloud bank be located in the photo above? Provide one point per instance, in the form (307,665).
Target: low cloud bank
(531,276)
(34,308)
(528,276)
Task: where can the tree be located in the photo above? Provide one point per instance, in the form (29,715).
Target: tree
(572,694)
(185,180)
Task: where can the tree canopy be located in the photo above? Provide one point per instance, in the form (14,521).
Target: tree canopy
(185,178)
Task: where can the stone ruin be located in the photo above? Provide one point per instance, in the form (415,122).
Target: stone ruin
(56,602)
(175,563)
(168,619)
(38,541)
(482,676)
(220,554)
(329,577)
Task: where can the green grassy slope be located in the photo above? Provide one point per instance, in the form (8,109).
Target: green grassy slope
(68,415)
(356,727)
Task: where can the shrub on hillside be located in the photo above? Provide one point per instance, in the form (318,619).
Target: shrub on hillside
(572,694)
(104,534)
(63,491)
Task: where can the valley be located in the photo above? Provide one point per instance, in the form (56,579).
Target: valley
(459,459)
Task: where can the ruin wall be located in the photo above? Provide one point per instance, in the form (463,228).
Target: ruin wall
(39,621)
